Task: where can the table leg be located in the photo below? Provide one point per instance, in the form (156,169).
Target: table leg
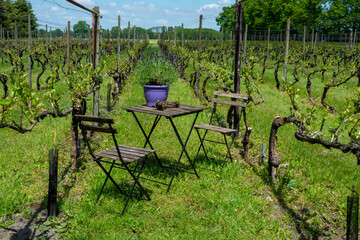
(147,137)
(183,148)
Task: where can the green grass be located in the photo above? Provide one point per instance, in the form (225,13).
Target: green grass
(239,203)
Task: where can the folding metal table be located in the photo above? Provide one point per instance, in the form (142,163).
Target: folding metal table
(169,114)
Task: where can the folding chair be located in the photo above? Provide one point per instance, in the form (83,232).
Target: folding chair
(223,130)
(120,156)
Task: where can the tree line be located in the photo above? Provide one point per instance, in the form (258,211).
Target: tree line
(328,16)
(16,11)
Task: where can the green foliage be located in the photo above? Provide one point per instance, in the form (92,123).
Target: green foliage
(341,16)
(332,16)
(155,70)
(18,10)
(20,98)
(81,28)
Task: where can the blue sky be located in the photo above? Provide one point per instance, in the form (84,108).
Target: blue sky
(142,13)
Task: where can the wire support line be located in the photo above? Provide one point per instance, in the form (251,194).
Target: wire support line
(341,135)
(55,24)
(312,156)
(326,165)
(66,8)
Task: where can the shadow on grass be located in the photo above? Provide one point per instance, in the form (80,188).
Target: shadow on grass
(26,229)
(303,229)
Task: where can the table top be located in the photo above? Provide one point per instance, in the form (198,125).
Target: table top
(168,112)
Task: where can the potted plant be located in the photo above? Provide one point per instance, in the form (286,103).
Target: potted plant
(155,73)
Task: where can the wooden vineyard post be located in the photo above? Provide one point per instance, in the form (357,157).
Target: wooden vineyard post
(53,180)
(286,52)
(245,40)
(29,48)
(352,220)
(268,45)
(354,40)
(129,35)
(316,36)
(168,35)
(182,35)
(231,40)
(312,39)
(304,47)
(108,98)
(89,38)
(134,34)
(68,49)
(200,28)
(197,83)
(237,74)
(16,35)
(47,42)
(96,58)
(118,42)
(175,36)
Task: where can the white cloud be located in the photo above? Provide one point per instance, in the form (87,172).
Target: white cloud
(224,2)
(86,2)
(140,6)
(119,12)
(161,21)
(175,11)
(55,9)
(209,8)
(112,4)
(104,12)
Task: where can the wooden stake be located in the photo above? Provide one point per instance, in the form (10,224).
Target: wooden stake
(182,35)
(129,35)
(286,52)
(68,49)
(200,28)
(118,41)
(29,47)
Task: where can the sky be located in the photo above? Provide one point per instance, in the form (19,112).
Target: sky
(141,13)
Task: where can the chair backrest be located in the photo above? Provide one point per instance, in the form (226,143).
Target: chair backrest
(82,119)
(234,102)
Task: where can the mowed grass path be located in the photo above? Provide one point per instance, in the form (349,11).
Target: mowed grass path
(230,205)
(239,203)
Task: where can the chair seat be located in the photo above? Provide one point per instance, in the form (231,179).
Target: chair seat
(128,154)
(215,128)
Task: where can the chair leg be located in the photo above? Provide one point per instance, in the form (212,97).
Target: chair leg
(108,176)
(136,183)
(201,145)
(228,150)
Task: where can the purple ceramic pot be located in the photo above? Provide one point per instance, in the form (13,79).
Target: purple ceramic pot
(154,93)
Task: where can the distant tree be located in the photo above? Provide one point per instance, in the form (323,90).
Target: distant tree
(4,13)
(341,15)
(81,28)
(19,11)
(57,33)
(262,14)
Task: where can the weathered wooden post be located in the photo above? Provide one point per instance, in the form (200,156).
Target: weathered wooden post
(182,35)
(286,52)
(68,49)
(118,42)
(29,47)
(129,35)
(96,57)
(238,42)
(53,180)
(352,220)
